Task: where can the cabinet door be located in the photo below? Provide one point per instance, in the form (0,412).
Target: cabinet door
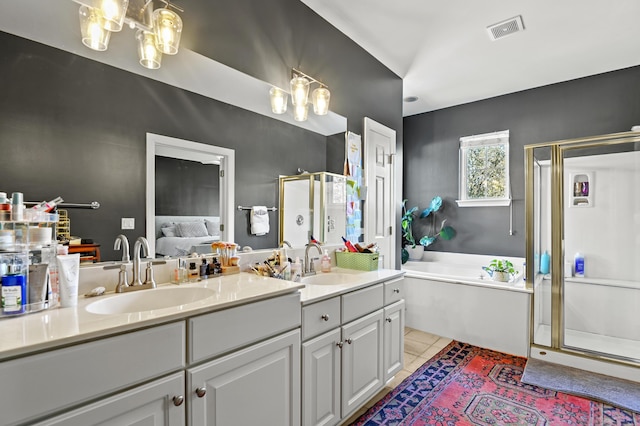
(362,358)
(321,380)
(393,339)
(258,385)
(155,404)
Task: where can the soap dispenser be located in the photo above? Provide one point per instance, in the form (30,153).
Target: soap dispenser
(325,262)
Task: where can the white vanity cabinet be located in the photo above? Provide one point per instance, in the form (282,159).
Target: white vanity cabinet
(258,384)
(236,366)
(159,403)
(352,344)
(35,386)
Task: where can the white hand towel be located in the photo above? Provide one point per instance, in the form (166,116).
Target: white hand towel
(259,220)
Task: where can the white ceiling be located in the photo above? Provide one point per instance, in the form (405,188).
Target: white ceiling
(443,52)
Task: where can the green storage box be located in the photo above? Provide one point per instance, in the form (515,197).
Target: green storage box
(360,261)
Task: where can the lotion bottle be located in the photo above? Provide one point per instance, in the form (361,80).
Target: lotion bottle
(325,262)
(578,265)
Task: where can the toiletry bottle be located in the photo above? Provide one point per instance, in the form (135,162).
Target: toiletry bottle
(14,290)
(349,245)
(194,272)
(17,206)
(578,265)
(5,207)
(545,261)
(325,263)
(204,269)
(296,270)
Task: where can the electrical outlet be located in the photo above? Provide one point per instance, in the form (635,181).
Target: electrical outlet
(128,223)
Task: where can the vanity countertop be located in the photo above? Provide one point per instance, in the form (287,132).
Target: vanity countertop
(63,326)
(357,279)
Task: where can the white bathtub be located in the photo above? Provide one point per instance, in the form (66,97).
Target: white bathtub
(449,294)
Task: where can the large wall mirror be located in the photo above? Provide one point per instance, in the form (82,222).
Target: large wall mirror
(75,118)
(175,242)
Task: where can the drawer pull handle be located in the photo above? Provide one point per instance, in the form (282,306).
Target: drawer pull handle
(201,392)
(178,400)
(340,344)
(396,290)
(389,319)
(325,317)
(349,341)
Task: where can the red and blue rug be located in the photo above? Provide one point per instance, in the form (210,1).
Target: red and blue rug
(468,385)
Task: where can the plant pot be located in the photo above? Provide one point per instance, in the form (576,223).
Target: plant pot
(415,253)
(502,277)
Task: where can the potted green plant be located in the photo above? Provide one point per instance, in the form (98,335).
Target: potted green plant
(413,250)
(500,270)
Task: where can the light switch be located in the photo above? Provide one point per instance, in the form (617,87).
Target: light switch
(128,223)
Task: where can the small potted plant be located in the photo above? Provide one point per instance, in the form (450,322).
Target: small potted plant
(500,270)
(413,250)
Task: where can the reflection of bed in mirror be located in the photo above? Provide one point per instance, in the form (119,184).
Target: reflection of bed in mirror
(182,235)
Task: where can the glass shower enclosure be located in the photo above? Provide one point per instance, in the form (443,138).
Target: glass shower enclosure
(583,248)
(312,204)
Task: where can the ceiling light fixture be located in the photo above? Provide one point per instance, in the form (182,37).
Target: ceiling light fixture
(159,29)
(300,83)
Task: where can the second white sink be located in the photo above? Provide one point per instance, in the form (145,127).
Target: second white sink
(148,300)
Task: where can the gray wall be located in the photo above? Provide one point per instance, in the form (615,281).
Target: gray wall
(600,104)
(76,128)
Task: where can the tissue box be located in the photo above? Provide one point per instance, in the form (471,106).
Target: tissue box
(360,261)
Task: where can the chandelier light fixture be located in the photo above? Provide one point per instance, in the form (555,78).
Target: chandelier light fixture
(300,84)
(158,29)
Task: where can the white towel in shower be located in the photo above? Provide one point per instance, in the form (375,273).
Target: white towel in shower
(259,220)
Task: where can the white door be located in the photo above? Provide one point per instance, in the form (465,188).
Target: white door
(379,214)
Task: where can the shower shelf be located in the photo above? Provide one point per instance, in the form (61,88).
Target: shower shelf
(581,190)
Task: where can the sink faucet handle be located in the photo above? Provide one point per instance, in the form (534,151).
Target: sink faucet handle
(149,275)
(122,279)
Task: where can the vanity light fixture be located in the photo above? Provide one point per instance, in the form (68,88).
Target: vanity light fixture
(300,83)
(279,100)
(158,30)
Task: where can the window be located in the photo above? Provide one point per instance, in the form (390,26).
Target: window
(484,170)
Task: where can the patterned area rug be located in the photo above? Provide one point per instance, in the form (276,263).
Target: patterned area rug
(467,385)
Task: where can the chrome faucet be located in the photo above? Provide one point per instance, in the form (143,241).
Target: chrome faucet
(309,268)
(121,240)
(141,242)
(285,243)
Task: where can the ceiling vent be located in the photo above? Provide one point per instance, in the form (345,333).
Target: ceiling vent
(505,28)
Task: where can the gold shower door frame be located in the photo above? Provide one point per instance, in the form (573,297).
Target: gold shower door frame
(558,150)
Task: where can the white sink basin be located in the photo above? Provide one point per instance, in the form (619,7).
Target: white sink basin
(330,278)
(148,300)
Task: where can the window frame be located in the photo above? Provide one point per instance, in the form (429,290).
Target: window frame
(485,139)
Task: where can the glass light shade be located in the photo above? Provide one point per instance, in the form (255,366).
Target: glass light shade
(279,100)
(299,91)
(150,56)
(301,112)
(167,26)
(113,12)
(320,98)
(94,36)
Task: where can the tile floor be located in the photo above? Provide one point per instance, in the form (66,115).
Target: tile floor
(419,347)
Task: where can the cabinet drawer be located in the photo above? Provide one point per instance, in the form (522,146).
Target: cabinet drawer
(223,331)
(393,291)
(320,317)
(361,302)
(37,385)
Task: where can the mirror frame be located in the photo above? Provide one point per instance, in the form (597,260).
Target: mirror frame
(188,150)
